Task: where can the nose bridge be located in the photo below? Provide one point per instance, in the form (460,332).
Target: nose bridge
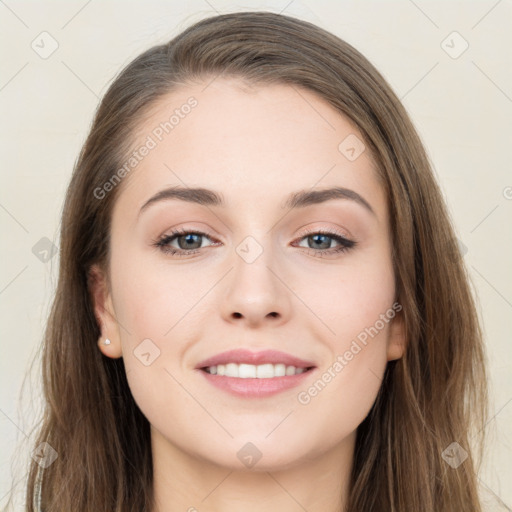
(254,263)
(255,293)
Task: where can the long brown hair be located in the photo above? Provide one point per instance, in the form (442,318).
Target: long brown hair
(432,397)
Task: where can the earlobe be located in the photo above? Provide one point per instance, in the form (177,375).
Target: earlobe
(397,341)
(109,348)
(109,341)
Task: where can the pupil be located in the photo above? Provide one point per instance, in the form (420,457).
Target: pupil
(326,244)
(188,240)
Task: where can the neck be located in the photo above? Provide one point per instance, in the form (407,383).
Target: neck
(184,482)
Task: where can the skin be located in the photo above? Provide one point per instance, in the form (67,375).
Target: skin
(254,145)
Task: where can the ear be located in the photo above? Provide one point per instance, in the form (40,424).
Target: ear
(104,311)
(397,341)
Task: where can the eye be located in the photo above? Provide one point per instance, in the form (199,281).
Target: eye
(322,239)
(189,242)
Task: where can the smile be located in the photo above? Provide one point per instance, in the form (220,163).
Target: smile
(249,381)
(247,371)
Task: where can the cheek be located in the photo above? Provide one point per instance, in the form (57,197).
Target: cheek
(357,308)
(351,297)
(347,384)
(150,298)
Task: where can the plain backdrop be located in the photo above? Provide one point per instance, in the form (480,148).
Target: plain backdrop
(449,62)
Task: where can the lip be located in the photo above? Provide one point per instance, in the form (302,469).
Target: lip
(251,387)
(256,388)
(243,356)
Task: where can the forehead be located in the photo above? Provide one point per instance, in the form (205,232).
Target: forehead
(251,143)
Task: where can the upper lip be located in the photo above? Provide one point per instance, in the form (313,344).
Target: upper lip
(242,356)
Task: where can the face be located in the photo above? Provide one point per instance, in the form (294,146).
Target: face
(190,280)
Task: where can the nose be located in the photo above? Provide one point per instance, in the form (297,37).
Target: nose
(256,294)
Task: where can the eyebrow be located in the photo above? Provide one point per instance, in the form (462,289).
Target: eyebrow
(300,199)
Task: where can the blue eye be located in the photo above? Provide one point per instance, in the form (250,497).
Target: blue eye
(185,238)
(189,242)
(319,237)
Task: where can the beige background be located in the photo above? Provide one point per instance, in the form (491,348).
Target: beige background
(461,104)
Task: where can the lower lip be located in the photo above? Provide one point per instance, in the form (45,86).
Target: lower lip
(256,388)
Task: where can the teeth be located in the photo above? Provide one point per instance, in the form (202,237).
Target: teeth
(246,371)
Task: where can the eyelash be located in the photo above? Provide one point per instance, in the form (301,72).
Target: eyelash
(162,242)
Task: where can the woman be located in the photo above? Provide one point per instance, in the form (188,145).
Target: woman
(321,351)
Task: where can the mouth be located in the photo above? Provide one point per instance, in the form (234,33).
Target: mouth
(251,371)
(269,382)
(255,375)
